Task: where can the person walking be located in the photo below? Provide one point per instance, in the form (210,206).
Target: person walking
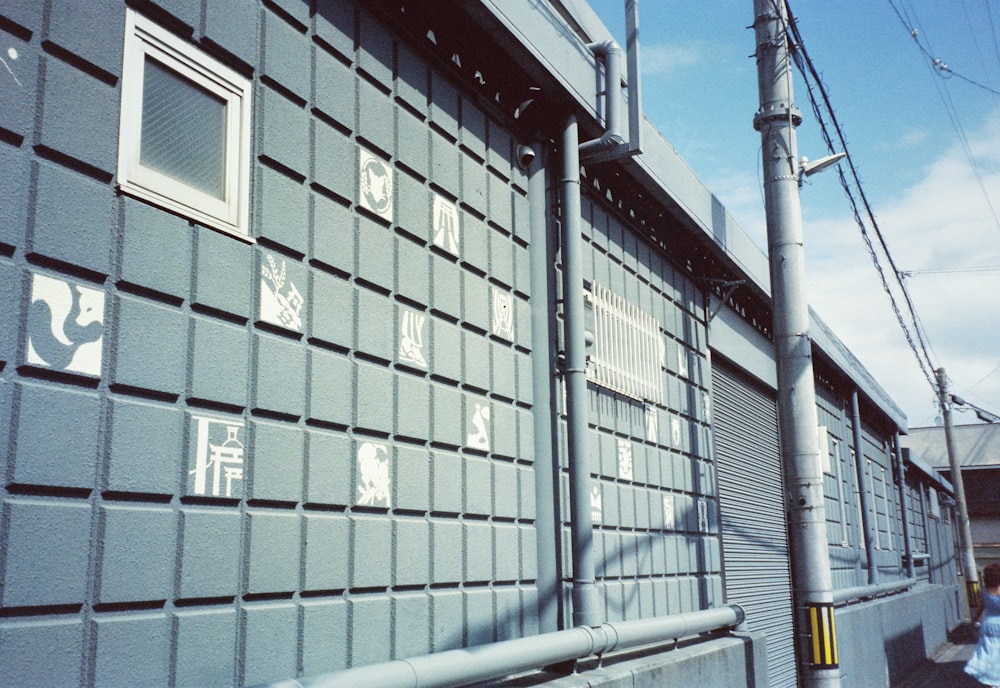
(984,665)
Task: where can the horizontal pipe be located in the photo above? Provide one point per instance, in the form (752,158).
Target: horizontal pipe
(866,592)
(454,668)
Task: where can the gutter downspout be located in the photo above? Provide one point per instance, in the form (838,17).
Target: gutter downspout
(861,465)
(634,80)
(611,140)
(609,146)
(542,256)
(586,602)
(927,535)
(904,506)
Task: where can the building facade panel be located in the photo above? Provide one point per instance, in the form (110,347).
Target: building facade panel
(313,422)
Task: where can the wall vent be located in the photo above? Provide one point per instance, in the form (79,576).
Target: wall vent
(628,350)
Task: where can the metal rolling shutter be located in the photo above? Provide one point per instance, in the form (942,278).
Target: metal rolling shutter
(754,537)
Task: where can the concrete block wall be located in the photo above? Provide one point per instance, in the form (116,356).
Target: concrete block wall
(243,460)
(888,515)
(883,640)
(657,543)
(850,562)
(233,491)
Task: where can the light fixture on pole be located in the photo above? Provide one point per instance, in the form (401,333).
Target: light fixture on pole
(808,169)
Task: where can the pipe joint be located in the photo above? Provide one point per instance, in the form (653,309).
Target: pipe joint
(612,142)
(609,141)
(604,48)
(611,638)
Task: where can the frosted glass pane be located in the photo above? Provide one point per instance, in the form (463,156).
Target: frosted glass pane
(183,130)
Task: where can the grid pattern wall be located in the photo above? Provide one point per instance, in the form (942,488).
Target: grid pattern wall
(654,506)
(919,543)
(239,461)
(885,503)
(840,485)
(944,548)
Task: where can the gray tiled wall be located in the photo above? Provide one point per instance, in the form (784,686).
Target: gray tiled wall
(110,549)
(237,493)
(646,565)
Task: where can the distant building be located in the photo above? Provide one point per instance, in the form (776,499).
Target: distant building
(978,448)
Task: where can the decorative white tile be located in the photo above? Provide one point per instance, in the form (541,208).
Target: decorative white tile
(65,326)
(374,482)
(376,185)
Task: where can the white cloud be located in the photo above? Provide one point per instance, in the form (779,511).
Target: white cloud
(914,137)
(941,222)
(664,58)
(742,195)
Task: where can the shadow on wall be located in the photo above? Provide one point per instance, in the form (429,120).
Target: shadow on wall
(927,672)
(905,651)
(510,623)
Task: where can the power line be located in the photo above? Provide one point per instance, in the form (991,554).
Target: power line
(912,329)
(940,68)
(949,271)
(944,71)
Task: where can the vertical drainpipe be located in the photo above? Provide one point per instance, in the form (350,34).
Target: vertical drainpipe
(861,465)
(541,257)
(634,81)
(904,506)
(610,145)
(585,598)
(927,535)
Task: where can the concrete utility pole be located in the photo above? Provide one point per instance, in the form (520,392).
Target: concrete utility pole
(798,421)
(968,559)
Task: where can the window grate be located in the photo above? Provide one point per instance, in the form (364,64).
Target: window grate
(628,351)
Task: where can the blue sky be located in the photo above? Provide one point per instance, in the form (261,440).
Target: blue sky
(908,130)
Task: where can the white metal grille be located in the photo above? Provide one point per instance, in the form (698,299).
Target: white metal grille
(627,356)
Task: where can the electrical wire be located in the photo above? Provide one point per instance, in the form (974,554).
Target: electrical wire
(940,68)
(993,32)
(949,271)
(910,324)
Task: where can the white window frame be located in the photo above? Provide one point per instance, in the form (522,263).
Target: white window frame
(886,499)
(935,504)
(874,505)
(858,486)
(231,213)
(824,450)
(835,460)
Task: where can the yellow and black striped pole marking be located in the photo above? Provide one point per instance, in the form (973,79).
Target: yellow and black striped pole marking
(972,590)
(823,636)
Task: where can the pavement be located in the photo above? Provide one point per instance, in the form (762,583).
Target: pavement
(944,669)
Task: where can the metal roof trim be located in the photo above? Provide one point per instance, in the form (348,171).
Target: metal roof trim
(558,47)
